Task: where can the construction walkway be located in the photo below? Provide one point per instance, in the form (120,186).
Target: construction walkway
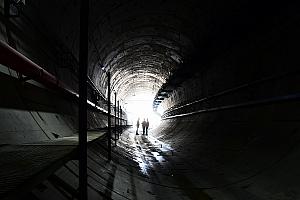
(23,166)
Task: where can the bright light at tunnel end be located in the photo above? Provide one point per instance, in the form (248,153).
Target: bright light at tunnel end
(140,106)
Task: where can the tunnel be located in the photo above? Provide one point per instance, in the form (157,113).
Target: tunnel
(218,81)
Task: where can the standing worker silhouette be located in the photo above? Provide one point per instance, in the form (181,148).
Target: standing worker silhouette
(147,126)
(144,126)
(137,126)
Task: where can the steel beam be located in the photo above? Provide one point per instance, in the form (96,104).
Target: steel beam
(115,130)
(121,118)
(118,106)
(109,117)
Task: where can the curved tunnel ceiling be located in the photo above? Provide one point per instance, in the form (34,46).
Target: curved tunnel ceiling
(140,43)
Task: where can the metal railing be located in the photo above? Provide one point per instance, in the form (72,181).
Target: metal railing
(171,113)
(278,99)
(14,60)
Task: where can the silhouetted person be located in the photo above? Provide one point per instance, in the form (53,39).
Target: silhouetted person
(147,126)
(144,126)
(137,126)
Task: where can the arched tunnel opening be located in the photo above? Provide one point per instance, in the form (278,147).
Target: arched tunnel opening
(217,80)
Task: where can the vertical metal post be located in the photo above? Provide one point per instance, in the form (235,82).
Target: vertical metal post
(121,118)
(83,63)
(118,118)
(115,119)
(109,118)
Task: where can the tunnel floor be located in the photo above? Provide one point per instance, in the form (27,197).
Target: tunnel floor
(161,173)
(144,167)
(25,165)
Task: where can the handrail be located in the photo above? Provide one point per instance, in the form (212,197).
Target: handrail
(235,89)
(13,59)
(18,62)
(291,97)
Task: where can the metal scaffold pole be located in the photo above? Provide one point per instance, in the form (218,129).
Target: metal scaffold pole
(83,63)
(109,117)
(115,119)
(118,113)
(121,120)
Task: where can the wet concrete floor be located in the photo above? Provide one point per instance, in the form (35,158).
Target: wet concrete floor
(161,174)
(142,168)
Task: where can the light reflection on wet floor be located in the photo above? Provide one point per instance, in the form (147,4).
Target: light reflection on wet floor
(156,162)
(158,157)
(147,151)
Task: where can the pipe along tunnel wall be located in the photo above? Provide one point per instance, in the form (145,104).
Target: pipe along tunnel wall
(240,140)
(32,113)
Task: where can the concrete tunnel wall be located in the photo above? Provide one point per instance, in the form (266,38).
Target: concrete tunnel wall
(255,147)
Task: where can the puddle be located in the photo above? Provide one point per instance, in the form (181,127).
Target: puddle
(143,166)
(158,157)
(147,152)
